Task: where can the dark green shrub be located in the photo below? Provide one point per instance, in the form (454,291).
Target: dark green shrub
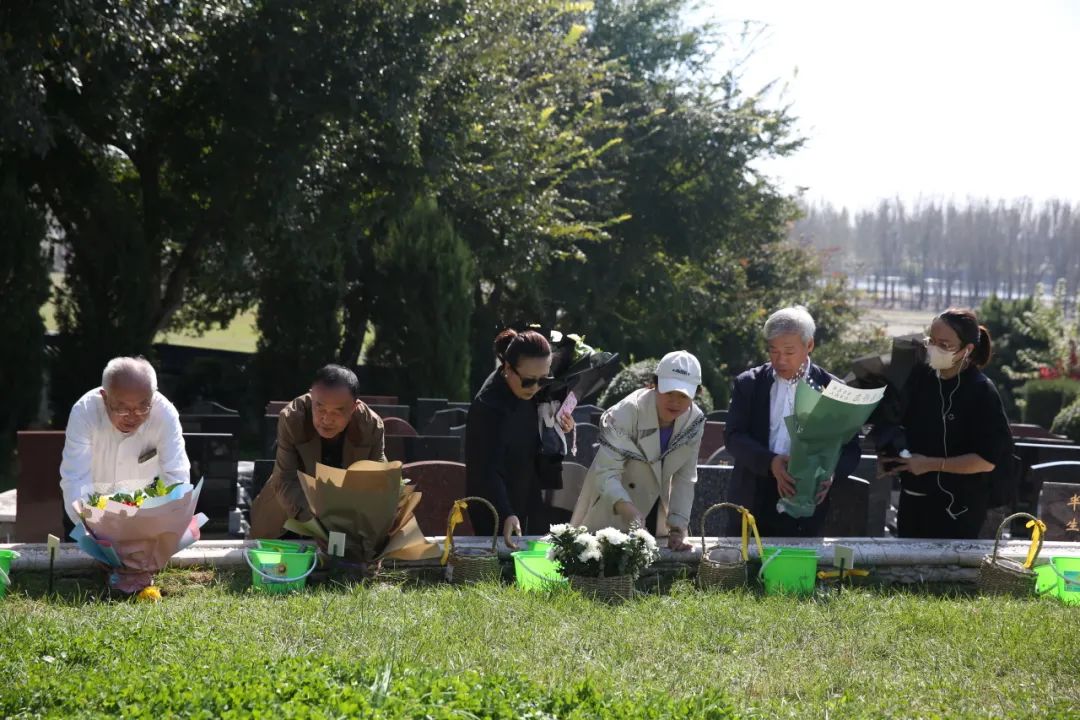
(1044,399)
(638,375)
(1067,422)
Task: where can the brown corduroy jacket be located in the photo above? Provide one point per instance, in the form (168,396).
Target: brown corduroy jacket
(299,448)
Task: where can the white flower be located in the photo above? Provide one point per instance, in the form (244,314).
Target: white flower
(586,540)
(612,536)
(590,553)
(551,554)
(561,529)
(643,535)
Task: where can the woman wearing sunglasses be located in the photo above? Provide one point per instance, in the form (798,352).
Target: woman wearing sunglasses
(956,433)
(503,460)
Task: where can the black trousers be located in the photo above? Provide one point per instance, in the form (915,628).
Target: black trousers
(777,524)
(922,516)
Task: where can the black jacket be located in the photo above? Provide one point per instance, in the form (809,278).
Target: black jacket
(502,450)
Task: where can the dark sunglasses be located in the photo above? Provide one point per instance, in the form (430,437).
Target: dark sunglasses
(533,381)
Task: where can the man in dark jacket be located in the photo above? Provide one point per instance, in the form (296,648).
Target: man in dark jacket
(758,438)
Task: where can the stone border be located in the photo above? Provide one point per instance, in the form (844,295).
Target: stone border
(893,560)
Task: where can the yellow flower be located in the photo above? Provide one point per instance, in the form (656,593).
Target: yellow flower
(149,594)
(100,504)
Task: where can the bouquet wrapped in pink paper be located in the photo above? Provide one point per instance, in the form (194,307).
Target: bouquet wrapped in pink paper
(137,533)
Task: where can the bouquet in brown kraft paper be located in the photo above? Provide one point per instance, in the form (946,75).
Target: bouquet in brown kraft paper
(371,505)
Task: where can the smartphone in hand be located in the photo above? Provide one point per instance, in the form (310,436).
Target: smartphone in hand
(567,408)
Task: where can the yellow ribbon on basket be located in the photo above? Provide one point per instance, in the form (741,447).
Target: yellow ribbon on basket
(749,523)
(457,517)
(1038,527)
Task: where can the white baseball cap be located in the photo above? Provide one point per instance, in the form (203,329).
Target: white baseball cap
(680,371)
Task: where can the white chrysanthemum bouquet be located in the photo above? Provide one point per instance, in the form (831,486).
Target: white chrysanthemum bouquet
(605,553)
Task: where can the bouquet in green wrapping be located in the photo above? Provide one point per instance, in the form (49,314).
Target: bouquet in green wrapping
(822,423)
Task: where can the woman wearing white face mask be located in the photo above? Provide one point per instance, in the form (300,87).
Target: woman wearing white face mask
(956,431)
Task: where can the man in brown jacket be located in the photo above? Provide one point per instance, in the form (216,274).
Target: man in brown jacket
(328,425)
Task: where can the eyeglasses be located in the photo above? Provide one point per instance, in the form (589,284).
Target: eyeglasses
(928,341)
(127,412)
(532,381)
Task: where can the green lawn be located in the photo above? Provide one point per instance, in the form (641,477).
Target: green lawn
(388,650)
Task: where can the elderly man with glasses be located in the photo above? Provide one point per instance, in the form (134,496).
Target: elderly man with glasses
(122,435)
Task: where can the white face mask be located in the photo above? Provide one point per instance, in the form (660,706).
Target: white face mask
(940,359)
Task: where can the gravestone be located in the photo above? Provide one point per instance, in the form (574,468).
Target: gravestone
(586,413)
(720,457)
(441,422)
(426,409)
(213,458)
(206,423)
(713,487)
(711,440)
(849,504)
(1034,455)
(397,426)
(370,400)
(208,407)
(385,411)
(425,447)
(39,504)
(441,483)
(1059,508)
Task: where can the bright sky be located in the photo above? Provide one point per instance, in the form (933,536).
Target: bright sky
(943,98)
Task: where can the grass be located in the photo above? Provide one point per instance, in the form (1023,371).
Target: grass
(213,648)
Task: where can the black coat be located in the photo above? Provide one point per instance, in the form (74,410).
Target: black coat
(503,460)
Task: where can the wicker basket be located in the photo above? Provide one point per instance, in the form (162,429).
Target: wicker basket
(611,590)
(999,576)
(470,565)
(724,566)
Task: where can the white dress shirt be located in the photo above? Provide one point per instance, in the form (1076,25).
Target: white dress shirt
(99,458)
(781,404)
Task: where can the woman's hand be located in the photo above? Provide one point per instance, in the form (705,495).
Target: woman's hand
(511,526)
(785,484)
(676,540)
(566,422)
(629,513)
(917,464)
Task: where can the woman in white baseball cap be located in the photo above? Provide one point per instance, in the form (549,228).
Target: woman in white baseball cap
(646,467)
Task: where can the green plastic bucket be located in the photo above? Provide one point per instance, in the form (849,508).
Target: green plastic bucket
(534,571)
(6,556)
(278,572)
(1045,579)
(537,545)
(1060,578)
(788,571)
(284,546)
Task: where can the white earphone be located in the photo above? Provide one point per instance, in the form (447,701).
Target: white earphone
(945,437)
